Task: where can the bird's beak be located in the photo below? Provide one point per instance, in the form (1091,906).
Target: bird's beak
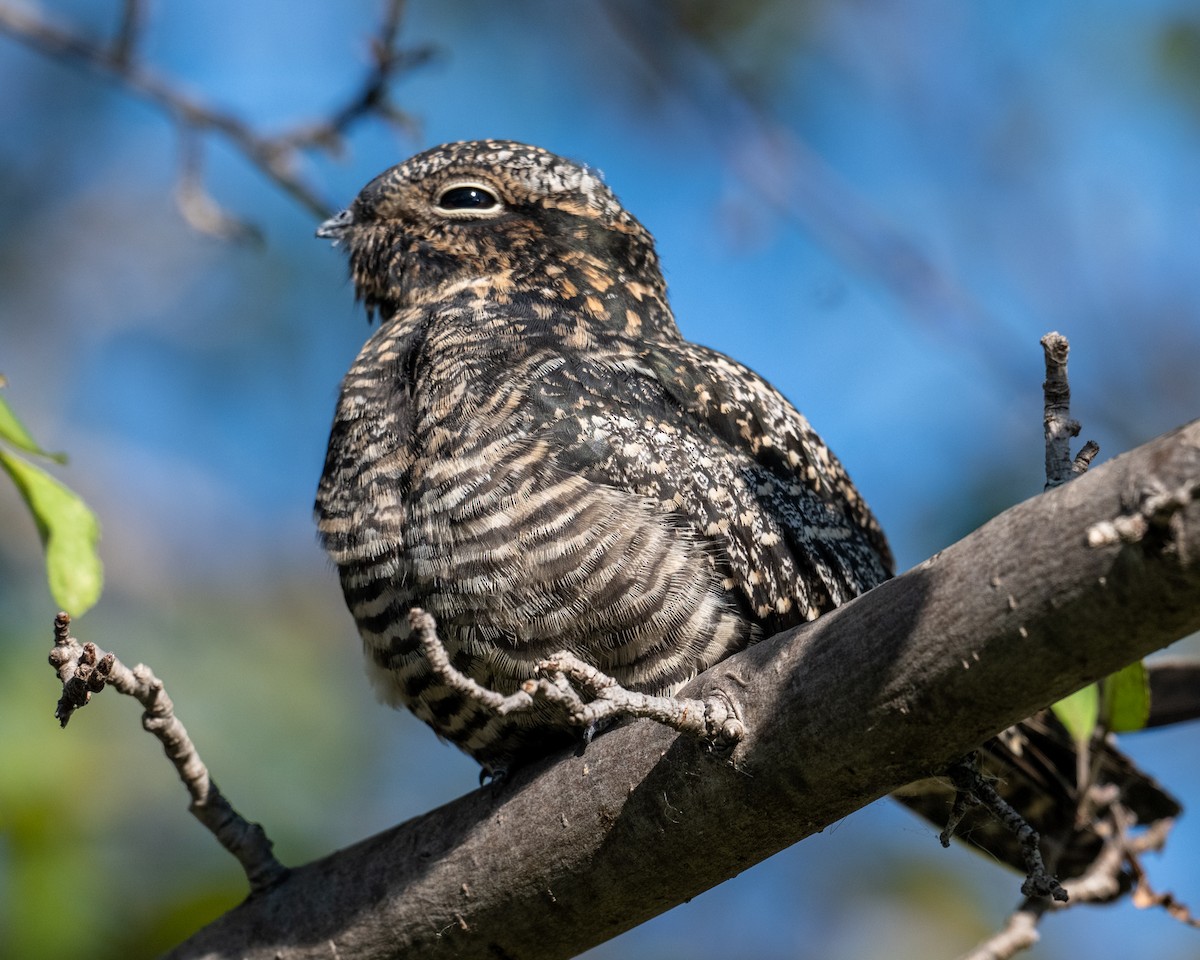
(335,227)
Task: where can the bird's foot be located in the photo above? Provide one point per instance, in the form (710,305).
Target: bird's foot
(587,697)
(972,788)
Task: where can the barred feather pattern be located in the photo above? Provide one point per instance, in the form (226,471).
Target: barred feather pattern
(528,449)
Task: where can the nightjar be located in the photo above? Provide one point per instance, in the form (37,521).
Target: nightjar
(528,449)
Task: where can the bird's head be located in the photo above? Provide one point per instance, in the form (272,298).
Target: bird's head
(514,220)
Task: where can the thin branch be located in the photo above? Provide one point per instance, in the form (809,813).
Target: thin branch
(275,156)
(1101,883)
(1019,933)
(1059,426)
(374,93)
(1144,896)
(84,670)
(970,786)
(1102,808)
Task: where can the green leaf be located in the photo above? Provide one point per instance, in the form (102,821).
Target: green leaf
(1126,698)
(13,430)
(69,533)
(1080,712)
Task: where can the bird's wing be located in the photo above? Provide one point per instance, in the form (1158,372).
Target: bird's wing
(729,459)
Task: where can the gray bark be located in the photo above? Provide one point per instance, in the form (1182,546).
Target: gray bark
(880,692)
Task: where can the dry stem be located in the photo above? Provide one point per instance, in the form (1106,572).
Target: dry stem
(84,670)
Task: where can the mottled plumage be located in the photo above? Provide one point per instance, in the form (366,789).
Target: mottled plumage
(528,449)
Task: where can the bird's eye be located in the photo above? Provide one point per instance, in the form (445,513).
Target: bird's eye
(467,199)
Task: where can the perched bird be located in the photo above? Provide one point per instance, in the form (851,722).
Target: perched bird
(528,449)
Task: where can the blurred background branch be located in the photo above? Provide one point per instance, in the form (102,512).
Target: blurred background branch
(787,174)
(276,156)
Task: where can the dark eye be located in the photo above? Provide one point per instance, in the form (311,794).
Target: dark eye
(468,198)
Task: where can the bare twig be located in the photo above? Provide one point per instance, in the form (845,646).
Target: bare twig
(374,93)
(1107,876)
(586,696)
(1144,896)
(970,786)
(1101,883)
(275,156)
(1019,933)
(1059,426)
(84,670)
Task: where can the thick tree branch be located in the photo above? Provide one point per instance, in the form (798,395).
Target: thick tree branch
(875,694)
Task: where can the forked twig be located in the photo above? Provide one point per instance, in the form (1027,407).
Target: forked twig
(84,669)
(275,155)
(1111,819)
(1060,428)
